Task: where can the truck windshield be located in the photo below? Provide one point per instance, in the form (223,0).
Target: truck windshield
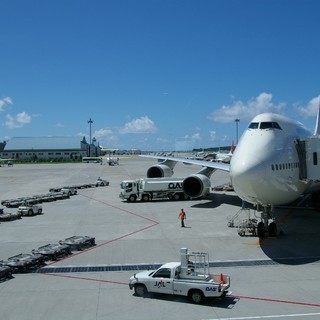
(125,185)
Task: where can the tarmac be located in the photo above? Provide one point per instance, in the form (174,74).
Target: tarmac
(273,278)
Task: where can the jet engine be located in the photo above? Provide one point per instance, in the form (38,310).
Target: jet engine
(159,171)
(196,185)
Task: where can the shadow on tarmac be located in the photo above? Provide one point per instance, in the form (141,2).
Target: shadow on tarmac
(215,200)
(298,241)
(224,303)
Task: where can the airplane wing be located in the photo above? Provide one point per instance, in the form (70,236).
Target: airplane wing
(209,164)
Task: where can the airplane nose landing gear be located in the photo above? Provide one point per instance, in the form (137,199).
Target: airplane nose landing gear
(249,225)
(265,226)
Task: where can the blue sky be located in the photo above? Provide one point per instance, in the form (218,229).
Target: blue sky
(155,74)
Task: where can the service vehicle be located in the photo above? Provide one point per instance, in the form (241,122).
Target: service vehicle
(146,189)
(9,216)
(91,160)
(248,226)
(13,203)
(53,251)
(59,195)
(24,262)
(29,209)
(102,182)
(113,162)
(71,191)
(190,277)
(79,242)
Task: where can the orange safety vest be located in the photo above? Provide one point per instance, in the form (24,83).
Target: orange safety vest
(182,215)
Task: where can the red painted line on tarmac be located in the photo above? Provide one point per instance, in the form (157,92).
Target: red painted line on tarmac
(123,210)
(154,223)
(85,278)
(232,296)
(278,301)
(102,244)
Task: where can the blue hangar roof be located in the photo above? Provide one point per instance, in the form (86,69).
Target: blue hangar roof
(44,143)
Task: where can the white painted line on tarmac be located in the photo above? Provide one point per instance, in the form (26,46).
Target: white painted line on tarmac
(273,316)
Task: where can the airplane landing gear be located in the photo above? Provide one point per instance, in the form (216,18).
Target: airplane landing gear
(248,225)
(271,230)
(261,230)
(264,226)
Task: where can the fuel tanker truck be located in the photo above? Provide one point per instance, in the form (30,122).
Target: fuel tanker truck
(146,189)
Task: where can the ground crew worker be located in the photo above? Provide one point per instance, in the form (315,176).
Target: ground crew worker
(182,217)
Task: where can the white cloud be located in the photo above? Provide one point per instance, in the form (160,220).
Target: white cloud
(17,121)
(102,132)
(246,110)
(141,125)
(213,135)
(5,101)
(196,137)
(310,110)
(188,142)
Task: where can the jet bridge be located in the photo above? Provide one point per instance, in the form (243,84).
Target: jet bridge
(309,162)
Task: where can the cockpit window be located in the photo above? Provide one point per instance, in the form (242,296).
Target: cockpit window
(254,125)
(264,125)
(276,125)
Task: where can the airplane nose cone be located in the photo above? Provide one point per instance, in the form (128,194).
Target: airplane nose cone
(247,176)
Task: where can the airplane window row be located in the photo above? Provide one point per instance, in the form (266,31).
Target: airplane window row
(264,125)
(284,166)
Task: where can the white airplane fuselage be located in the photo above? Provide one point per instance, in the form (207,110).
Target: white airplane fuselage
(264,168)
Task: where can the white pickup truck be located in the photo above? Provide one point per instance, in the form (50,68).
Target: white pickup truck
(190,278)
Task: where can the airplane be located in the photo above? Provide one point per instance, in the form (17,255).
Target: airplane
(275,162)
(225,157)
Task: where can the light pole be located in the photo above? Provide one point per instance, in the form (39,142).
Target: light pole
(237,129)
(90,121)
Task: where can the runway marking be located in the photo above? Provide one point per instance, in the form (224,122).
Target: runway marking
(118,208)
(154,223)
(273,316)
(86,278)
(259,243)
(278,301)
(231,296)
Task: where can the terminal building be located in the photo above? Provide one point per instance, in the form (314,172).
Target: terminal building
(49,148)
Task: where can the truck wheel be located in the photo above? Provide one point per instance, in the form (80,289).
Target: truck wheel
(30,212)
(140,290)
(176,196)
(196,296)
(145,197)
(132,198)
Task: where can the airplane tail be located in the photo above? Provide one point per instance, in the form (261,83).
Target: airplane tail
(317,128)
(232,148)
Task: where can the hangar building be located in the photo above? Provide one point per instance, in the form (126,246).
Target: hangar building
(49,148)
